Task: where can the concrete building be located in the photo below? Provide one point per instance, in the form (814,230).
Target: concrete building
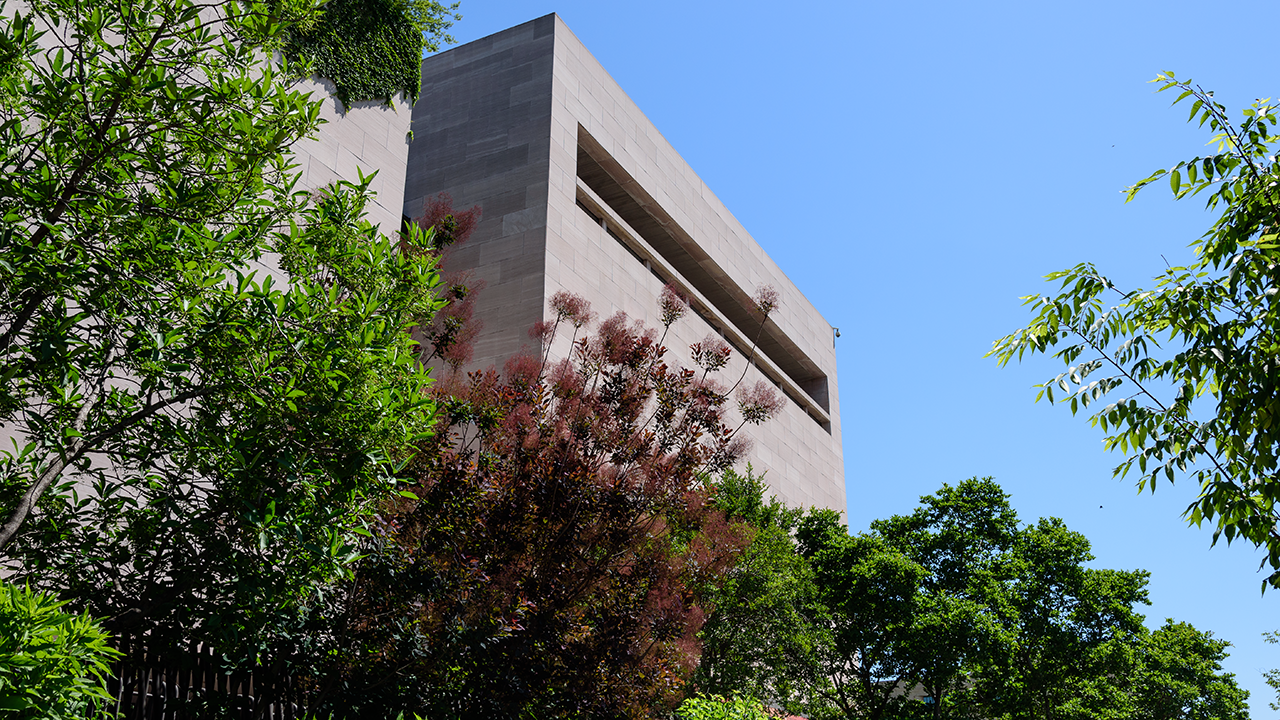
(579,191)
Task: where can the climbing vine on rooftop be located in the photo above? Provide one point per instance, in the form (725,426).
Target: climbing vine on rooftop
(372,49)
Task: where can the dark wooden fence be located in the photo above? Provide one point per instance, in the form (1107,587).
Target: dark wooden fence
(193,686)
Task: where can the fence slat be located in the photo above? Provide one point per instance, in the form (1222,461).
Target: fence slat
(147,685)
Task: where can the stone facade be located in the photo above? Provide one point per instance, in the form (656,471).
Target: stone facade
(579,191)
(369,136)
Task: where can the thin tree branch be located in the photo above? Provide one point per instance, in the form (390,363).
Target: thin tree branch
(78,448)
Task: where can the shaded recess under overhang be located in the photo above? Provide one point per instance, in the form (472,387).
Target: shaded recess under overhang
(626,197)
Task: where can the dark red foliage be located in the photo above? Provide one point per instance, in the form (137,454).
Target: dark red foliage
(712,354)
(672,304)
(450,336)
(759,402)
(561,540)
(554,553)
(450,226)
(765,300)
(571,307)
(541,331)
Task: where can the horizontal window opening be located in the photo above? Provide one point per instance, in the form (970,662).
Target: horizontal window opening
(627,200)
(746,355)
(659,234)
(594,218)
(625,245)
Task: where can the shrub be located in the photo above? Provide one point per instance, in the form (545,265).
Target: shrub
(716,707)
(51,663)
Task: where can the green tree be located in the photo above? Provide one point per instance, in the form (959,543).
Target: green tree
(1181,376)
(961,537)
(761,640)
(195,446)
(871,593)
(912,602)
(957,610)
(1181,676)
(1066,632)
(867,626)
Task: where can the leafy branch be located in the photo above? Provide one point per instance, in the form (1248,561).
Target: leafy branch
(1220,317)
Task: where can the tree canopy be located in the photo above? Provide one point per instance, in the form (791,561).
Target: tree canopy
(957,610)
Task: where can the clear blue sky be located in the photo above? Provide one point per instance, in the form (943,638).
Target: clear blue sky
(915,168)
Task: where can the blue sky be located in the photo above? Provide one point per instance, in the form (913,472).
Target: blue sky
(915,168)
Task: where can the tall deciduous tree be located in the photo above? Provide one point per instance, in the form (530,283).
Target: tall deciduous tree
(911,602)
(1064,631)
(194,446)
(1181,376)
